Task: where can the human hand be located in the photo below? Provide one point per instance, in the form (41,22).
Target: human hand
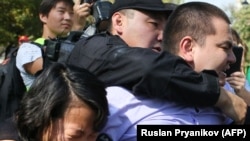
(81,12)
(237,81)
(222,78)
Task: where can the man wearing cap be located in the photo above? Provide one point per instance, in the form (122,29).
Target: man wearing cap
(124,57)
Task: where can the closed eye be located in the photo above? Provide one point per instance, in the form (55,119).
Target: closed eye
(74,134)
(155,25)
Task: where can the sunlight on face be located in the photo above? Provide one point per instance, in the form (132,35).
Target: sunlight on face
(216,53)
(60,20)
(143,30)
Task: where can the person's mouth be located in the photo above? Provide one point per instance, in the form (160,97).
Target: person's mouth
(157,49)
(67,26)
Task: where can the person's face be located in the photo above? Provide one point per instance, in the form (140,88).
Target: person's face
(140,29)
(59,21)
(76,125)
(216,53)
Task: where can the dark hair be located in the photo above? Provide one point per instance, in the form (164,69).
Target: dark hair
(47,5)
(236,36)
(52,92)
(193,19)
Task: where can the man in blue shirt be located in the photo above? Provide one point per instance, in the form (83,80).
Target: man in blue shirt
(123,57)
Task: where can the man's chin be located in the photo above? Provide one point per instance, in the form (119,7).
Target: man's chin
(64,33)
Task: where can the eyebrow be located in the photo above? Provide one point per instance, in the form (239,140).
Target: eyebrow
(60,7)
(229,43)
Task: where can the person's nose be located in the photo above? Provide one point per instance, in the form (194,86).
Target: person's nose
(68,16)
(160,36)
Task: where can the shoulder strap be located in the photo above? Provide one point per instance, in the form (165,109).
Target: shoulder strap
(37,44)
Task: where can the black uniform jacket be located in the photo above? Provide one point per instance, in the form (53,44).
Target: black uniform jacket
(144,71)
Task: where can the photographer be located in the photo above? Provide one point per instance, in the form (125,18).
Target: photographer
(58,18)
(58,49)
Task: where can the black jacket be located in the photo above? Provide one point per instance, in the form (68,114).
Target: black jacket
(144,71)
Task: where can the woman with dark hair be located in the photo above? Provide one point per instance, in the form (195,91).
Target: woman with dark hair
(64,103)
(238,42)
(237,81)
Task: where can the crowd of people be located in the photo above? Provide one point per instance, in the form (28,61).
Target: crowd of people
(156,64)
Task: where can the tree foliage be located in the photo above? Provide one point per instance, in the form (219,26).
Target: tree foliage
(241,22)
(19,17)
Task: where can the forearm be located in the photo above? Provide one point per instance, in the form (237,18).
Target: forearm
(244,94)
(149,74)
(34,67)
(173,79)
(232,105)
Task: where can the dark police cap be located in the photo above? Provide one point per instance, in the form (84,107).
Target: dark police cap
(150,5)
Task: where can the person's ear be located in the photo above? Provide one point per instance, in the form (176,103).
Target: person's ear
(117,23)
(186,48)
(43,18)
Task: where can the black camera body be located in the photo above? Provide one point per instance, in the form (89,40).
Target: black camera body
(100,11)
(52,48)
(58,49)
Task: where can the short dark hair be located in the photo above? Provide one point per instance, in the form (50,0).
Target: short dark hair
(47,5)
(51,94)
(194,19)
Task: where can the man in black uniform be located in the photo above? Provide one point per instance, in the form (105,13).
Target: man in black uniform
(127,56)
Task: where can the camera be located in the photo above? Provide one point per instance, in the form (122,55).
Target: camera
(100,11)
(52,48)
(58,49)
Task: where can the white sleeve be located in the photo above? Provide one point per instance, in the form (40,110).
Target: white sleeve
(27,53)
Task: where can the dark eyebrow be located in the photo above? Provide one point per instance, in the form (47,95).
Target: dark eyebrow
(61,7)
(229,43)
